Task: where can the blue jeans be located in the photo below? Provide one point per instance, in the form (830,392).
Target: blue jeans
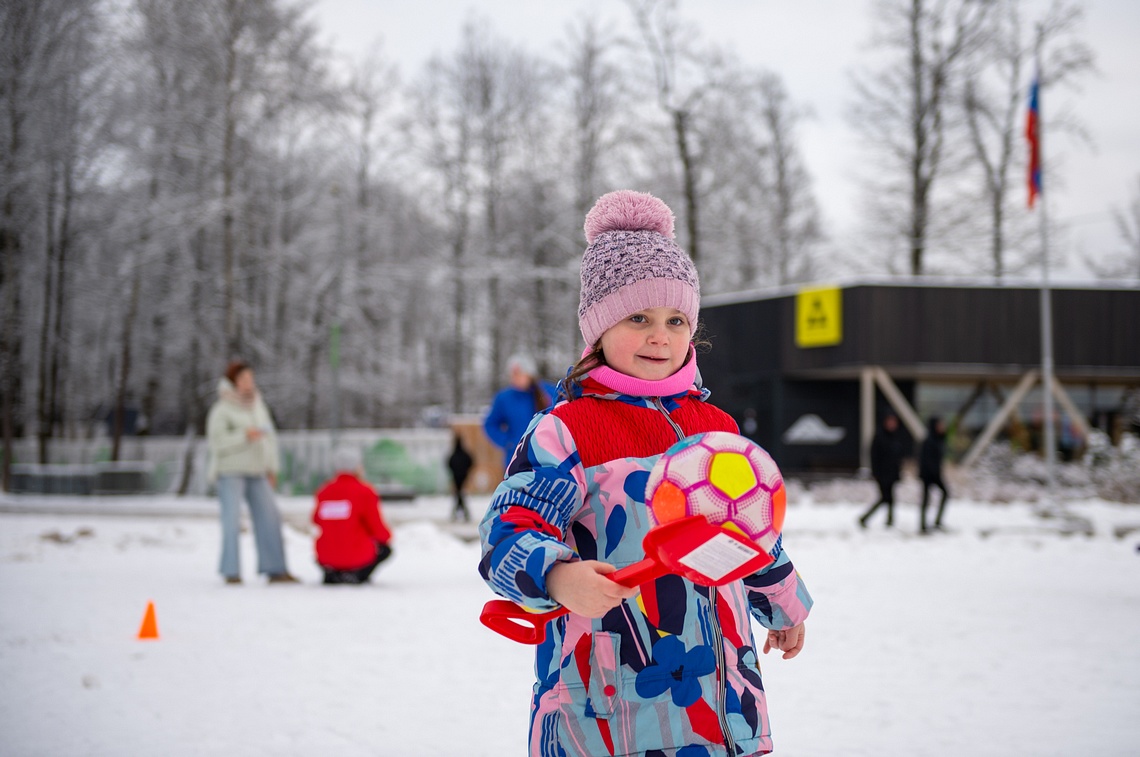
(266,524)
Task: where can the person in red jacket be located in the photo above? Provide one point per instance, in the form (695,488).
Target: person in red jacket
(353,537)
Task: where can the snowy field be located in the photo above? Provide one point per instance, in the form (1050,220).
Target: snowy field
(1000,637)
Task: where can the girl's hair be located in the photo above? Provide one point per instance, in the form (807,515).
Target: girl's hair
(589,362)
(539,395)
(596,357)
(234,369)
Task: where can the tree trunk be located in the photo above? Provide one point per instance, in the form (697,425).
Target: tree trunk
(43,414)
(458,373)
(188,460)
(688,174)
(192,401)
(10,255)
(918,135)
(59,351)
(125,361)
(229,134)
(997,242)
(10,384)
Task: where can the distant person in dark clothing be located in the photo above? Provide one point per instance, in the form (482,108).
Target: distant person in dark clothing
(886,466)
(930,469)
(353,537)
(460,464)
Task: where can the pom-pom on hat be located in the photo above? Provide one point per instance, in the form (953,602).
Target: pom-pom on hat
(632,263)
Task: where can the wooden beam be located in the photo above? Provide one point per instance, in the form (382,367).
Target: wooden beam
(979,390)
(899,403)
(995,424)
(1075,415)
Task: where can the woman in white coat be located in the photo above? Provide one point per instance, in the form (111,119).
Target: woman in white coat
(244,464)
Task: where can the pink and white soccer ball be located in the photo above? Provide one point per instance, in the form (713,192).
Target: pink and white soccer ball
(725,477)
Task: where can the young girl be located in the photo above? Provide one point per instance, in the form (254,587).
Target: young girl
(670,667)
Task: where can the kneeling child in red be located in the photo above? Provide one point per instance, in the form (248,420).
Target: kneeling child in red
(353,537)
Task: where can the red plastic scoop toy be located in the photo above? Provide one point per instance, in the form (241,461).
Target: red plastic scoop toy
(707,494)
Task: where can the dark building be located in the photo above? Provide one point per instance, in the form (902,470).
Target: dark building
(808,373)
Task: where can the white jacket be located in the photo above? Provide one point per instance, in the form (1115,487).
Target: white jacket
(226,425)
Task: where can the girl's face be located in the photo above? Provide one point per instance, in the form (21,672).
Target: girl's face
(651,344)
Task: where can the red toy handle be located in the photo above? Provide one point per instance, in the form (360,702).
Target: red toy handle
(508,619)
(667,546)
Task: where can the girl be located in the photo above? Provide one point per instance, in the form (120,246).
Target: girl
(668,668)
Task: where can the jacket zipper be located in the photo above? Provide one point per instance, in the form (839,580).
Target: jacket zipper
(722,674)
(714,620)
(661,408)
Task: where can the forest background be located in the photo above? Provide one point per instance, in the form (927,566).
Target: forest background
(376,231)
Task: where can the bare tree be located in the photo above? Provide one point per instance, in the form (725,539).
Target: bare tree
(476,117)
(902,110)
(1129,228)
(1126,263)
(994,100)
(75,119)
(794,215)
(503,88)
(597,132)
(444,138)
(254,201)
(19,25)
(762,221)
(48,81)
(372,92)
(596,89)
(669,47)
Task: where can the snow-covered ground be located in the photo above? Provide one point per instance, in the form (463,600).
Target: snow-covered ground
(1000,637)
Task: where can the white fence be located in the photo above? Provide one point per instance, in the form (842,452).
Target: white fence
(410,459)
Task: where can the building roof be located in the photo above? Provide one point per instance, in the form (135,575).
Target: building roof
(927,329)
(936,282)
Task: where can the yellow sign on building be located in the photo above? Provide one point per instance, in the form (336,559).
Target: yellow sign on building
(819,317)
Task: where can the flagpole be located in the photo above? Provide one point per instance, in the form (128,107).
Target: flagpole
(1046,303)
(1047,352)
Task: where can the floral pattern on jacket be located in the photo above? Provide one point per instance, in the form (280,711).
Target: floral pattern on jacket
(672,671)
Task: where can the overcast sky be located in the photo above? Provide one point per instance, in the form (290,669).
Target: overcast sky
(813,45)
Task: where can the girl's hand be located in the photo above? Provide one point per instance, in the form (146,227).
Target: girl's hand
(253,433)
(581,587)
(790,640)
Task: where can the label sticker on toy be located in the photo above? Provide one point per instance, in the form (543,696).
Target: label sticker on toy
(719,556)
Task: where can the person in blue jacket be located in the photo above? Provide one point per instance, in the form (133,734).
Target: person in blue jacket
(514,406)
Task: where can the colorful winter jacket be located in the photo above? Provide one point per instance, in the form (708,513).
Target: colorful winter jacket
(673,671)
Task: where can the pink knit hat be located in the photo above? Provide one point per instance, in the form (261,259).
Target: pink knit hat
(633,263)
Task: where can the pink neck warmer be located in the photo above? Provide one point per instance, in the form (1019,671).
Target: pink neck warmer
(679,382)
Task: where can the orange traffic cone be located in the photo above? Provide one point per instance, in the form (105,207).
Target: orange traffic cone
(149,627)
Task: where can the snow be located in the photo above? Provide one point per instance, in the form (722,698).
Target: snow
(1002,636)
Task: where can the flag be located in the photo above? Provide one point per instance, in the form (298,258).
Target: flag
(1033,135)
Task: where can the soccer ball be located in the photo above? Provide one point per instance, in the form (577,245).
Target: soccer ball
(725,477)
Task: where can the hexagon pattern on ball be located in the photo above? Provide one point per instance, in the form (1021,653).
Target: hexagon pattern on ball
(727,478)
